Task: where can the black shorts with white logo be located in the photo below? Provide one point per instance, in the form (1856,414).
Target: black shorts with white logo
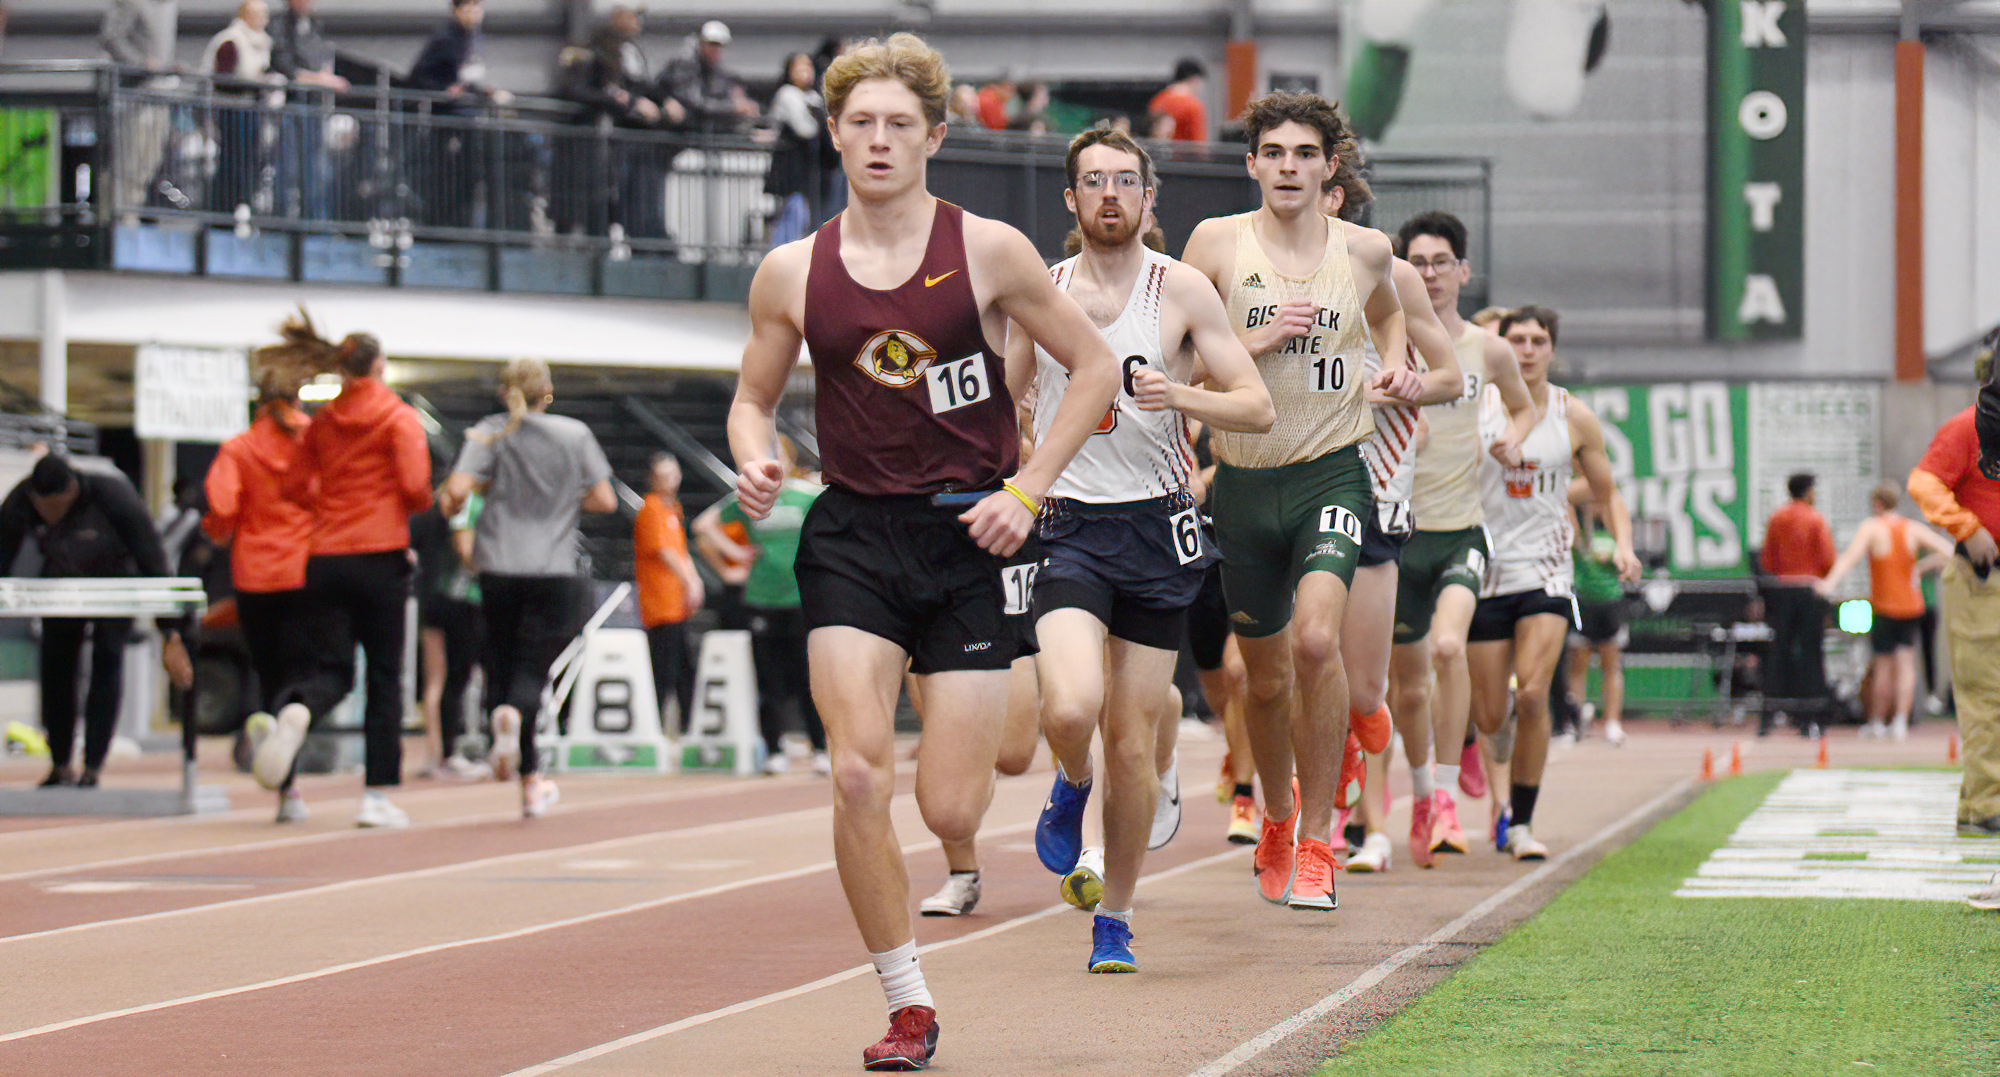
(1125,564)
(1494,619)
(903,569)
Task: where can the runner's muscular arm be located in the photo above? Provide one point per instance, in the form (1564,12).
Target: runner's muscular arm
(1370,253)
(768,358)
(1237,398)
(1588,436)
(1211,250)
(1020,288)
(1503,372)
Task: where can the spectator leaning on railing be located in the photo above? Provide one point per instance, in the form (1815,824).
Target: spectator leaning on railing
(140,34)
(455,161)
(1957,484)
(88,525)
(240,54)
(714,98)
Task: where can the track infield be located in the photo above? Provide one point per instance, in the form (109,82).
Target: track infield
(1618,975)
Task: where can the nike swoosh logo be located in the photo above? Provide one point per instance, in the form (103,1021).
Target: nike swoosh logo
(928,281)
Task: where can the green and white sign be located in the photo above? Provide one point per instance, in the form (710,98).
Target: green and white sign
(1756,181)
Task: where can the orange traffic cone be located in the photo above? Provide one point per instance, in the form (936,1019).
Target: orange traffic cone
(1821,761)
(1951,749)
(1736,758)
(1707,765)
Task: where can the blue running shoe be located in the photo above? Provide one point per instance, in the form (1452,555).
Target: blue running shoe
(1501,821)
(1111,945)
(1059,832)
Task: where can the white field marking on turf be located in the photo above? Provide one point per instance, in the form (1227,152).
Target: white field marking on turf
(440,947)
(445,869)
(1277,1033)
(747,1005)
(1803,840)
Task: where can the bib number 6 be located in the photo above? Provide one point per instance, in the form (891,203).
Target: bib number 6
(955,385)
(1187,536)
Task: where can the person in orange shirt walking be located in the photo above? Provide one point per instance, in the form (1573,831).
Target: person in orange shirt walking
(1798,550)
(1891,544)
(670,590)
(1178,112)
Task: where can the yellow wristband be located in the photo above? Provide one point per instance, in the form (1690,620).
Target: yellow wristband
(1024,498)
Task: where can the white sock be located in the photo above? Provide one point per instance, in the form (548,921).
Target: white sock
(1447,776)
(372,795)
(902,978)
(1122,917)
(1167,775)
(1421,784)
(1073,783)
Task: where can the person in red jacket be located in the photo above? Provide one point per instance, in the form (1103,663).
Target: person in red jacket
(267,535)
(363,468)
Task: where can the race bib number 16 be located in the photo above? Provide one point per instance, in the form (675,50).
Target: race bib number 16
(954,385)
(1017,587)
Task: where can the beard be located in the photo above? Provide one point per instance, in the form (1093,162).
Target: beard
(1108,234)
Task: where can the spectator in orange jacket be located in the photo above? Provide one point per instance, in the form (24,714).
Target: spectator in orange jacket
(363,468)
(1798,551)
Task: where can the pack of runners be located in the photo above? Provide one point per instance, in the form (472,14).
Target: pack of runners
(1017,519)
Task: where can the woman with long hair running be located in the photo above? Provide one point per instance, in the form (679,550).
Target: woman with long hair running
(539,473)
(363,468)
(267,535)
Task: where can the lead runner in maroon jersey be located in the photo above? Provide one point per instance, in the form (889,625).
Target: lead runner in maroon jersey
(901,300)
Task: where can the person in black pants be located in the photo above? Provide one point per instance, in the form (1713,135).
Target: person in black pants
(539,473)
(93,525)
(451,632)
(363,467)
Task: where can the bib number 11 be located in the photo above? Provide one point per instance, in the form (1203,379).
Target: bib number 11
(954,385)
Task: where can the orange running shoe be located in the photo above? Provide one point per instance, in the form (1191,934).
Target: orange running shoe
(1312,886)
(1373,729)
(1472,772)
(1277,855)
(1422,812)
(912,1040)
(1446,835)
(1353,774)
(1225,784)
(1242,821)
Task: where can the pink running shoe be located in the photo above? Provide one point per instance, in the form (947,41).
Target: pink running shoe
(1422,816)
(1472,772)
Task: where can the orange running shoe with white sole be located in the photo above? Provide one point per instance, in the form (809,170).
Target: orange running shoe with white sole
(1312,883)
(1353,773)
(1446,835)
(1277,856)
(1242,821)
(1422,811)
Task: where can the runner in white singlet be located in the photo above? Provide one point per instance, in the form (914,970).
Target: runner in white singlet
(1526,606)
(1121,532)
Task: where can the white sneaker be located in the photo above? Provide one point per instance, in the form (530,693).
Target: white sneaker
(1523,845)
(1989,898)
(1615,733)
(956,897)
(1899,730)
(505,756)
(1167,809)
(1874,730)
(822,764)
(1374,855)
(292,807)
(777,763)
(465,769)
(272,763)
(538,795)
(377,811)
(1083,887)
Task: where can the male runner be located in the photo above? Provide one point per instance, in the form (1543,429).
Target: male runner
(1528,604)
(1445,560)
(1304,291)
(1121,529)
(901,299)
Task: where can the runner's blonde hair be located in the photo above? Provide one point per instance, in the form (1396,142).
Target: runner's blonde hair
(525,385)
(904,57)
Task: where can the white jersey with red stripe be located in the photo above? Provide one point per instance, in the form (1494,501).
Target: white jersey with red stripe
(1134,454)
(1529,522)
(1390,453)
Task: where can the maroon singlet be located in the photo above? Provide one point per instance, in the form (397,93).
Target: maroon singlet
(911,399)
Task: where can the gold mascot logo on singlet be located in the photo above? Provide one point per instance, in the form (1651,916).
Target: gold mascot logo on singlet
(895,357)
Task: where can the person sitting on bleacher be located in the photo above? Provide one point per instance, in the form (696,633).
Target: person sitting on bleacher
(92,525)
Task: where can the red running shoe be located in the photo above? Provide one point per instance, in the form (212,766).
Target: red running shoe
(1277,854)
(912,1040)
(1312,887)
(1423,817)
(1472,772)
(1373,729)
(1353,774)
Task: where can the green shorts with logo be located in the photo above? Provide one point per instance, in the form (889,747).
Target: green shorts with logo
(1433,561)
(1277,524)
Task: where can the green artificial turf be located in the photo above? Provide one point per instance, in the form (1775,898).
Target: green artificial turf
(1618,976)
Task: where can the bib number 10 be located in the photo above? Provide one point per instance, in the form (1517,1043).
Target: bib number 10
(1329,374)
(954,385)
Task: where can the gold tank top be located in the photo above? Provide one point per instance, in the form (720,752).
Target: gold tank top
(1445,496)
(1317,381)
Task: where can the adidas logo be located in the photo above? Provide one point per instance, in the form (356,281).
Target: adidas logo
(1253,281)
(1242,618)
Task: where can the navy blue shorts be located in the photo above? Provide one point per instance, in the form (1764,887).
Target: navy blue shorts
(1135,566)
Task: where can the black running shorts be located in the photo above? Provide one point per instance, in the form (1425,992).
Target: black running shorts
(1208,622)
(1888,634)
(905,570)
(1496,617)
(1126,564)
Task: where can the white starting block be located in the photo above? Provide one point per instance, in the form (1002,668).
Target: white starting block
(722,732)
(143,596)
(614,721)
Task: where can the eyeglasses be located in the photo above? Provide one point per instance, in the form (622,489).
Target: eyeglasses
(1440,264)
(1095,181)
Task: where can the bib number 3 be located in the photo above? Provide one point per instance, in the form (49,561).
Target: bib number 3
(1187,536)
(955,385)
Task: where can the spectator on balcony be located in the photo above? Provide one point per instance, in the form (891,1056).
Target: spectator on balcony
(997,100)
(1178,112)
(670,590)
(88,524)
(611,79)
(304,57)
(299,51)
(714,98)
(454,167)
(797,178)
(239,59)
(1033,114)
(140,34)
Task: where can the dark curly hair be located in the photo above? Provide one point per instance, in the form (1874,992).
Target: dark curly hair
(1336,139)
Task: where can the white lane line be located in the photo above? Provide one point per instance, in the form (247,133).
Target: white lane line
(440,947)
(746,1006)
(1272,1036)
